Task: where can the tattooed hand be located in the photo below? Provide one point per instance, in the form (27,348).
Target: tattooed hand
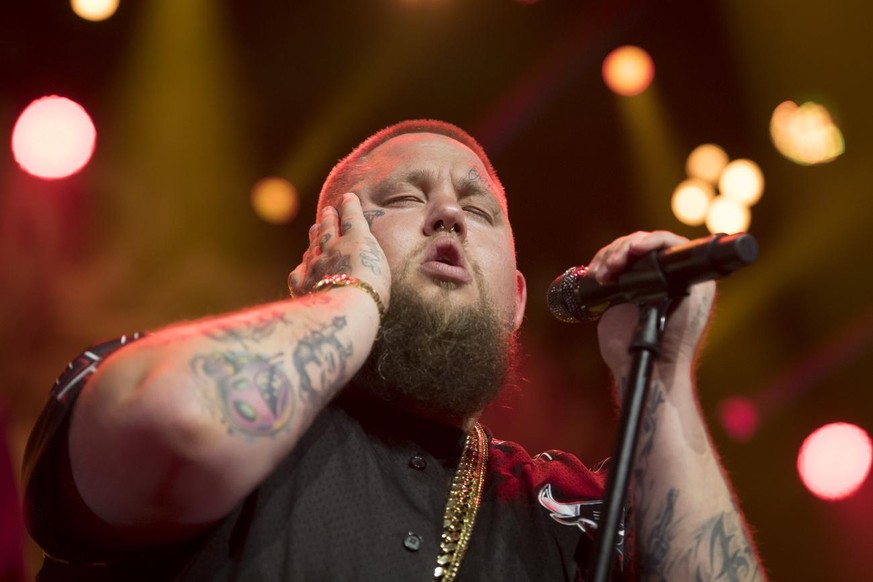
(686,322)
(341,242)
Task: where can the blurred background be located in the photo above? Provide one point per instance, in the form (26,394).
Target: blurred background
(216,122)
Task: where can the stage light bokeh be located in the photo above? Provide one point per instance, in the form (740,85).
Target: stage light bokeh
(706,162)
(806,134)
(739,417)
(275,200)
(691,200)
(94,10)
(628,70)
(742,181)
(834,460)
(53,138)
(727,216)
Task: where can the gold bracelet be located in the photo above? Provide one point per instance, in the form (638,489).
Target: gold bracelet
(343,280)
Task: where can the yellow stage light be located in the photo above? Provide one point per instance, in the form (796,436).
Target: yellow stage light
(806,134)
(94,10)
(691,200)
(742,181)
(628,70)
(727,216)
(706,162)
(275,200)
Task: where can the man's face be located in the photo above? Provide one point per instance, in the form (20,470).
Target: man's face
(442,224)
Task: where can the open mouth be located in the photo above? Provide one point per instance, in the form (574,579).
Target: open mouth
(445,262)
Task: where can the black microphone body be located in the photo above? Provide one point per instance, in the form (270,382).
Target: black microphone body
(667,273)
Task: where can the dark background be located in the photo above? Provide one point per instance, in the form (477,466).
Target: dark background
(195,100)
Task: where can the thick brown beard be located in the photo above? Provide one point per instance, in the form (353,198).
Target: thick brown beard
(437,359)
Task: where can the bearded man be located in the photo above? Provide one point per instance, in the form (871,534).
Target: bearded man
(334,435)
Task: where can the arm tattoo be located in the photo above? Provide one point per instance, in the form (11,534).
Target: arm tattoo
(372,215)
(655,400)
(254,330)
(660,539)
(728,555)
(254,392)
(720,548)
(322,353)
(371,257)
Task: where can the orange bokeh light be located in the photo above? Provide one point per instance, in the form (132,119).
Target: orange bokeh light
(628,70)
(94,10)
(275,200)
(806,134)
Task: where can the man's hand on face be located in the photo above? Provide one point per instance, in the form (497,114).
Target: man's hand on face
(341,242)
(685,324)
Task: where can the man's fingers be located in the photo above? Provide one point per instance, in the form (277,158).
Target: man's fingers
(614,258)
(352,214)
(328,227)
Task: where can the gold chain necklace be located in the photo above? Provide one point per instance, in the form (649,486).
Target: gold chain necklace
(464,498)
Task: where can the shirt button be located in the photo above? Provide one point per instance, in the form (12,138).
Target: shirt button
(418,462)
(412,542)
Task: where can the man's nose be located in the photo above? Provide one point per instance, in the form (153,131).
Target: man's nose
(448,216)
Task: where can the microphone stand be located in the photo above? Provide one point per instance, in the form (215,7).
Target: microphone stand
(645,347)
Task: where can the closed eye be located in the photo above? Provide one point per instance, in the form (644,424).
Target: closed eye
(479,212)
(406,200)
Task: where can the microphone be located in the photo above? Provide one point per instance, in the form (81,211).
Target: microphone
(575,297)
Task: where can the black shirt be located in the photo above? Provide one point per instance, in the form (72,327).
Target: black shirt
(361,497)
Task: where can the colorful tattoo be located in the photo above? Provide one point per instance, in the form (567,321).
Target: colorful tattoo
(254,391)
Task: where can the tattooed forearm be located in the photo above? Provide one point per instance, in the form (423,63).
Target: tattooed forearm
(660,538)
(253,390)
(723,552)
(719,550)
(647,437)
(255,329)
(255,394)
(320,358)
(670,548)
(653,403)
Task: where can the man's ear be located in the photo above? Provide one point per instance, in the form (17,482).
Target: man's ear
(520,299)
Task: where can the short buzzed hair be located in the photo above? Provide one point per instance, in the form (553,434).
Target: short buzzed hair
(350,169)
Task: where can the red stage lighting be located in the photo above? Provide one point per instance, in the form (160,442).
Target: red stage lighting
(53,138)
(739,417)
(834,460)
